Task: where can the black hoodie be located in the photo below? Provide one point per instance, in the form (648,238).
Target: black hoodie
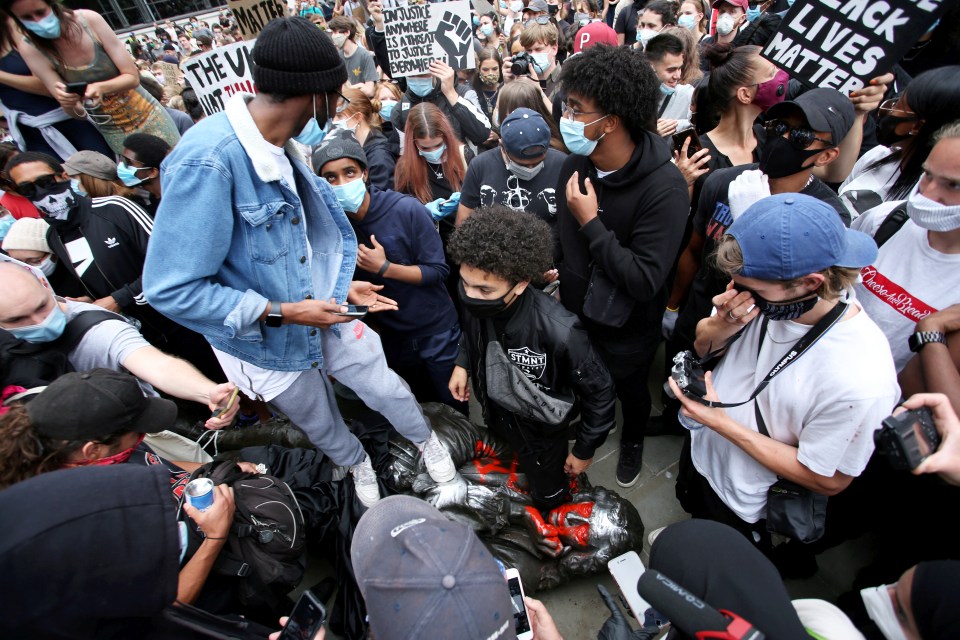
(643,209)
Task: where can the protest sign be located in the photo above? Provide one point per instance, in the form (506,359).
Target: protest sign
(171,73)
(842,44)
(417,34)
(218,74)
(253,15)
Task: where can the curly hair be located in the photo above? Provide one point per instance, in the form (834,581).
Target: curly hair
(619,82)
(513,245)
(23,454)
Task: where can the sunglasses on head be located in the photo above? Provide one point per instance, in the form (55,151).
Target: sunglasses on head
(29,189)
(799,137)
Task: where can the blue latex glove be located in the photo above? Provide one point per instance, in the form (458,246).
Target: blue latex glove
(451,205)
(434,209)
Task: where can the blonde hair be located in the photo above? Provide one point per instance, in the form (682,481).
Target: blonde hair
(728,258)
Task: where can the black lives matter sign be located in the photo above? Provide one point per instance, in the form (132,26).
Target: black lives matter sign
(842,44)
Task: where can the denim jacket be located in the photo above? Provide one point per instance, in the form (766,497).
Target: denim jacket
(229,236)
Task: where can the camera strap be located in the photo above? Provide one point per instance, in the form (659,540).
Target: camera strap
(802,345)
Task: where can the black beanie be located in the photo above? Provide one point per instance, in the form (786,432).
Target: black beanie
(293,57)
(336,145)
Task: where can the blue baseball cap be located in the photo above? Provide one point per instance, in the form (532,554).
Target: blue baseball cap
(525,134)
(790,235)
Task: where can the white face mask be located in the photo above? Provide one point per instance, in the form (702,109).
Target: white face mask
(931,215)
(880,609)
(725,24)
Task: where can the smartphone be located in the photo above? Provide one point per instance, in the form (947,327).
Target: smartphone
(306,618)
(626,570)
(521,620)
(681,136)
(77,88)
(354,311)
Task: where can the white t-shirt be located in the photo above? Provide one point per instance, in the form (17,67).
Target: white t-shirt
(828,403)
(909,280)
(862,187)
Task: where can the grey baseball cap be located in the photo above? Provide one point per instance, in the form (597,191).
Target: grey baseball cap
(423,576)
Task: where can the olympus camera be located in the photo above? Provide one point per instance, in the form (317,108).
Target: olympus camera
(688,373)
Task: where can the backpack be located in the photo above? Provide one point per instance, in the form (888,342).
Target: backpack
(891,224)
(31,365)
(266,546)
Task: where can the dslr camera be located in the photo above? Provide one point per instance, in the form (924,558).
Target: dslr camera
(908,438)
(688,373)
(521,64)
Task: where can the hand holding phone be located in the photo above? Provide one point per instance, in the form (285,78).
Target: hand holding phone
(687,134)
(354,311)
(77,88)
(521,619)
(626,570)
(306,619)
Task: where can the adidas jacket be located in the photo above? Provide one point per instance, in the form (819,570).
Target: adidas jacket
(117,231)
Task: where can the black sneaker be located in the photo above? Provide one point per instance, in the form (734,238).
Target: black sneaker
(629,464)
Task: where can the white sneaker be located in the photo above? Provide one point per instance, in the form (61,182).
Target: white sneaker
(653,535)
(365,481)
(437,460)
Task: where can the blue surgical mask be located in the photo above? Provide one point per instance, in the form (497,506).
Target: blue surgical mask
(790,2)
(128,175)
(77,186)
(345,125)
(350,195)
(667,90)
(312,134)
(645,35)
(386,108)
(687,21)
(541,59)
(487,30)
(476,21)
(434,156)
(420,86)
(753,13)
(574,137)
(47,331)
(47,28)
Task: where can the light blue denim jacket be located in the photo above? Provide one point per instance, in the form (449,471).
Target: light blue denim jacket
(229,236)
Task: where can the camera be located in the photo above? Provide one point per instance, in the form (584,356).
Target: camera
(908,438)
(687,372)
(521,64)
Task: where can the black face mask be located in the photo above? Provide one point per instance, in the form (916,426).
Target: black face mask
(784,309)
(56,203)
(887,130)
(780,158)
(483,308)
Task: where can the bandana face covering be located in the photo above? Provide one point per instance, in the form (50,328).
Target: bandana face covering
(55,202)
(117,458)
(785,309)
(931,215)
(879,607)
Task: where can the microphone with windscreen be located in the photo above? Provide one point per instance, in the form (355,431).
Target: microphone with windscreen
(690,614)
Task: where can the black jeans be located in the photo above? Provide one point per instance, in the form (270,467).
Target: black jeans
(629,363)
(541,454)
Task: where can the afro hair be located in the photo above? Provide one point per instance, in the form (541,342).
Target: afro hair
(619,81)
(513,245)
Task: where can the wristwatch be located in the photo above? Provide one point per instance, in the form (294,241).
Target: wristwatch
(920,338)
(274,315)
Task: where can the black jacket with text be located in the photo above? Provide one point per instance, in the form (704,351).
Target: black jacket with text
(549,345)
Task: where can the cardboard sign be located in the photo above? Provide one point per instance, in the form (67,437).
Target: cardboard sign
(842,44)
(171,73)
(252,15)
(218,74)
(418,34)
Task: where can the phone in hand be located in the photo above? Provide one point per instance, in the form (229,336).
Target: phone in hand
(626,570)
(354,311)
(77,88)
(306,618)
(681,136)
(521,619)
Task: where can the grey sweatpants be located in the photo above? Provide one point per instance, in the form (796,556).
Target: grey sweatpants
(355,358)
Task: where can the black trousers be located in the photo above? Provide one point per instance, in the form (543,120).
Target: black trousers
(629,360)
(541,454)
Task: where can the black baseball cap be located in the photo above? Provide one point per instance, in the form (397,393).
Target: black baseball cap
(825,109)
(80,406)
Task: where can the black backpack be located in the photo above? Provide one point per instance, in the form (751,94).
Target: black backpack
(31,365)
(266,547)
